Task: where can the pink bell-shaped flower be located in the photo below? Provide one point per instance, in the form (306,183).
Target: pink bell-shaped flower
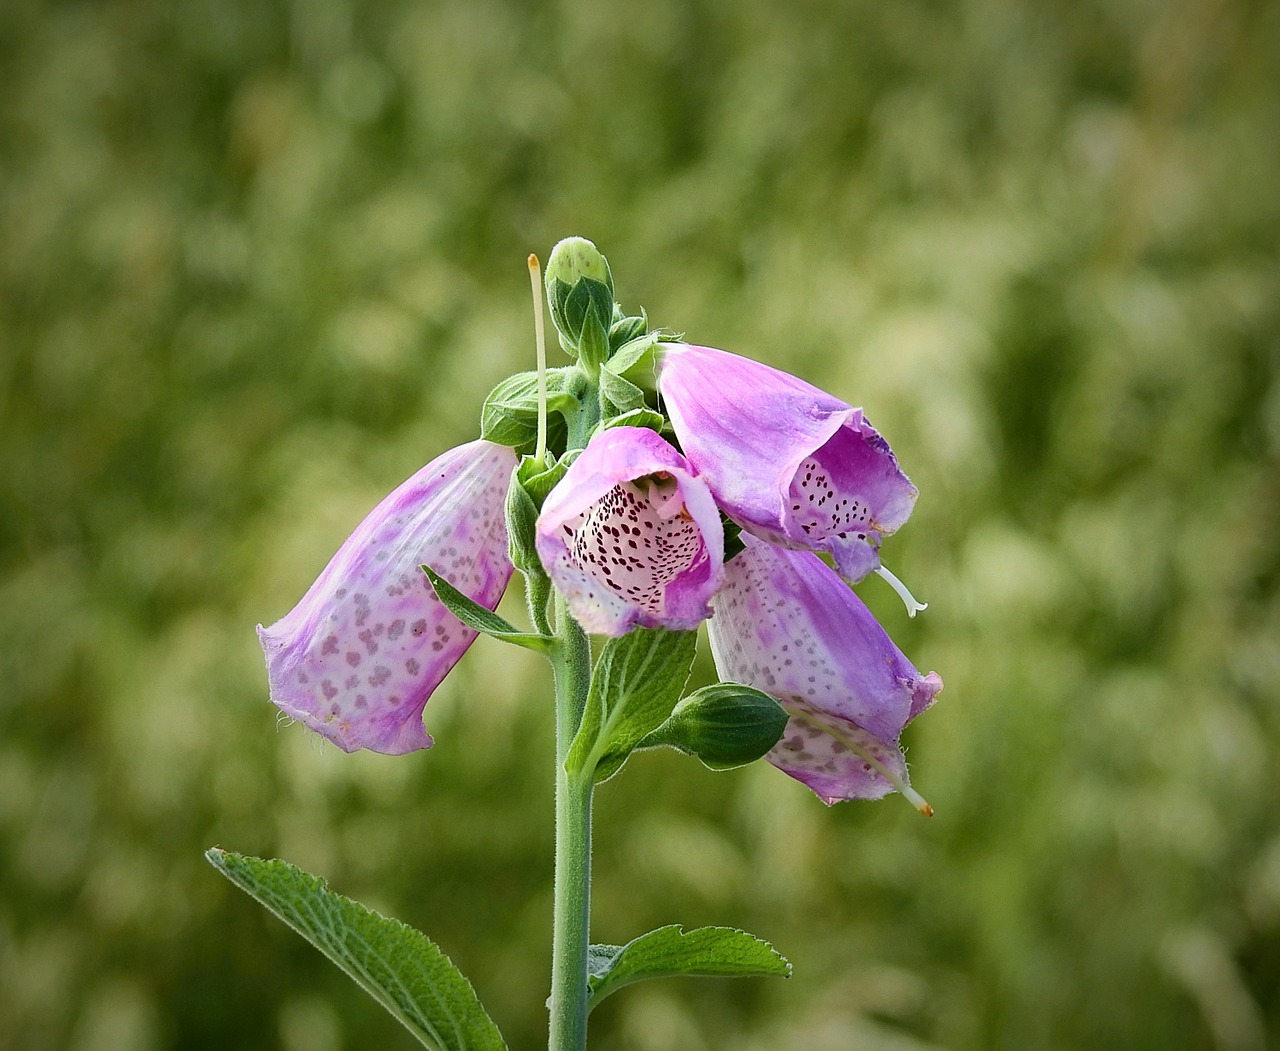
(631,536)
(784,623)
(786,461)
(358,657)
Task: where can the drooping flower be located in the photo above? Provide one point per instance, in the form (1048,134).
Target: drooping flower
(786,461)
(358,657)
(631,536)
(784,623)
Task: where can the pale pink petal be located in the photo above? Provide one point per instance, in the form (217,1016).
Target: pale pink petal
(358,657)
(786,624)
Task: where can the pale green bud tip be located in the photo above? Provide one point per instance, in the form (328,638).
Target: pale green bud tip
(574,258)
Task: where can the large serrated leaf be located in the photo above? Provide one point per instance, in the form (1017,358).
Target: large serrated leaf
(399,967)
(637,681)
(705,952)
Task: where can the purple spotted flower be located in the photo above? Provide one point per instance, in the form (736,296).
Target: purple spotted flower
(785,460)
(631,536)
(358,657)
(786,624)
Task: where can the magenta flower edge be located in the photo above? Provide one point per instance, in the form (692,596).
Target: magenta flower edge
(787,461)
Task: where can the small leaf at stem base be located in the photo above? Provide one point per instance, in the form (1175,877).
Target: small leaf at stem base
(705,952)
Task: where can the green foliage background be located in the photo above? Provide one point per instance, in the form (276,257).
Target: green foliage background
(260,261)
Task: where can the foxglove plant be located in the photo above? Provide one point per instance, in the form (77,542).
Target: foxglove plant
(640,490)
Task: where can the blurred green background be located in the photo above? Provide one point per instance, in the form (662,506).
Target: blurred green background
(261,261)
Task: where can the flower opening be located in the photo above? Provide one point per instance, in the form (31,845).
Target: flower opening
(631,536)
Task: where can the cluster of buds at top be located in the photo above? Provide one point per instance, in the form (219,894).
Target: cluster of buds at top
(667,484)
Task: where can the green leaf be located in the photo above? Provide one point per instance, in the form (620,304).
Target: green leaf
(475,616)
(510,413)
(399,967)
(726,725)
(705,952)
(621,394)
(636,682)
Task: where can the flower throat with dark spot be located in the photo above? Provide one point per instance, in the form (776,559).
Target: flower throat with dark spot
(637,539)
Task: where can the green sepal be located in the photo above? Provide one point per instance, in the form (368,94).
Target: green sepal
(531,481)
(539,479)
(398,966)
(733,542)
(593,337)
(636,360)
(671,951)
(725,725)
(574,307)
(644,417)
(510,413)
(625,329)
(485,621)
(522,520)
(637,681)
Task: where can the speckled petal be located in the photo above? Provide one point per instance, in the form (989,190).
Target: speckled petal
(785,460)
(631,537)
(786,624)
(358,657)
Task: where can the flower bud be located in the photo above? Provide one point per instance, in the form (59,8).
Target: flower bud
(726,725)
(580,295)
(576,257)
(625,329)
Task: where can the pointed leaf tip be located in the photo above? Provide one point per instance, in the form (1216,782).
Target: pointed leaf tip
(481,618)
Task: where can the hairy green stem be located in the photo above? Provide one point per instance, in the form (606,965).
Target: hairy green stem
(571,662)
(583,421)
(537,589)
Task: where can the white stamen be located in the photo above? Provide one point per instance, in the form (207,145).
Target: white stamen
(535,278)
(908,599)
